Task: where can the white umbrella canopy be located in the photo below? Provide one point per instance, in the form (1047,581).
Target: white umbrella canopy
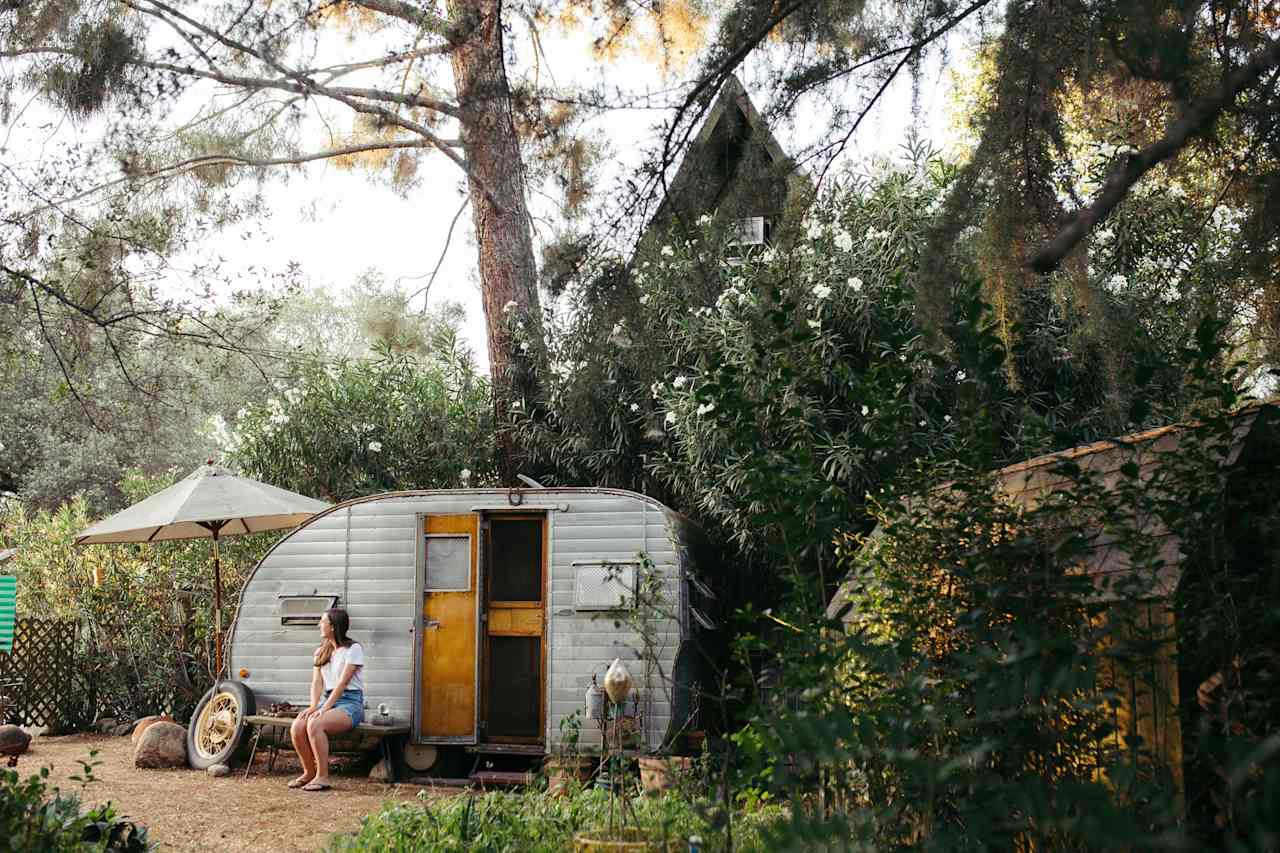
(208,498)
(208,503)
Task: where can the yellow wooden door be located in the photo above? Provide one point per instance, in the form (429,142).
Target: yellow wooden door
(448,668)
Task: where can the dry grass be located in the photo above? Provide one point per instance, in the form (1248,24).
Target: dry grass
(189,810)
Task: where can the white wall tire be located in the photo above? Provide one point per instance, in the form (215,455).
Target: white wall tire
(217,728)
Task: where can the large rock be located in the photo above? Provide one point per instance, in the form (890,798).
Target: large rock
(163,744)
(13,740)
(145,723)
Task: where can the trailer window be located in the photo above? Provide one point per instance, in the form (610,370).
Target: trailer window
(448,563)
(515,560)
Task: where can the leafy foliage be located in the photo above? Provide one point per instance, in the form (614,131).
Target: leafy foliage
(767,392)
(361,427)
(534,822)
(33,817)
(145,635)
(980,690)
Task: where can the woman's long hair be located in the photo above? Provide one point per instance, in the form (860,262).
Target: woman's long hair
(339,621)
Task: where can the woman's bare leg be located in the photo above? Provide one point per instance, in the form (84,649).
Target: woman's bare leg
(319,728)
(302,746)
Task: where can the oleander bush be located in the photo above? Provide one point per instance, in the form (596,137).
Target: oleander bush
(532,822)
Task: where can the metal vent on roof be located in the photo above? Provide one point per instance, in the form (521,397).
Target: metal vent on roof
(602,585)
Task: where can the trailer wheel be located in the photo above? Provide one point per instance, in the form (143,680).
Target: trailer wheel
(217,726)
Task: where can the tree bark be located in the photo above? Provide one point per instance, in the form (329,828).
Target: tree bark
(504,242)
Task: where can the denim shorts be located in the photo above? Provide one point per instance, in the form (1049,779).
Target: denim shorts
(351,702)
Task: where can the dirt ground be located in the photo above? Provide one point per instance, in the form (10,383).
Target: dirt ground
(189,810)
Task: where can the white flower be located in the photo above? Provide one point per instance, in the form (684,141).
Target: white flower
(670,418)
(464,475)
(644,299)
(509,307)
(667,251)
(617,328)
(375,447)
(924,423)
(814,324)
(961,375)
(635,407)
(844,241)
(704,219)
(865,411)
(515,404)
(524,346)
(946,418)
(706,408)
(821,291)
(680,381)
(855,284)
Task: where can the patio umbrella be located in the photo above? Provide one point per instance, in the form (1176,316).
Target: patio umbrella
(210,502)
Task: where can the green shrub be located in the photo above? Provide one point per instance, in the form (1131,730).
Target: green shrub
(35,817)
(533,822)
(145,626)
(355,428)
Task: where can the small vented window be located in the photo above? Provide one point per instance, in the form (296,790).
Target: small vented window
(448,563)
(602,585)
(304,609)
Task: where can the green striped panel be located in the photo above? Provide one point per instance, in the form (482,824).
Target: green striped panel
(8,611)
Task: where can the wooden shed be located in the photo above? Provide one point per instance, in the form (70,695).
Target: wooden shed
(1158,695)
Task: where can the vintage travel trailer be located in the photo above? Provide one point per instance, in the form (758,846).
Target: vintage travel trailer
(484,613)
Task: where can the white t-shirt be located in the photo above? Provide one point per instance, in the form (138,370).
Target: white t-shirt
(332,671)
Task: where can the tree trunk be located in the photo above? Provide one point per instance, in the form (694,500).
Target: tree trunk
(504,243)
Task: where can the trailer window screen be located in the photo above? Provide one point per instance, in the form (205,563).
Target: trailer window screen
(515,667)
(604,586)
(515,560)
(448,561)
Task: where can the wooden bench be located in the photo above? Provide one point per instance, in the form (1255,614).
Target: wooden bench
(365,736)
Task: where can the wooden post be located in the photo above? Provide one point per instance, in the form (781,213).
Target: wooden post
(217,607)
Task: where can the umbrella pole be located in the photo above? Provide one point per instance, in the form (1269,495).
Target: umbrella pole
(217,609)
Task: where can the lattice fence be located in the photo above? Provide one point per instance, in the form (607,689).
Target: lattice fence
(38,676)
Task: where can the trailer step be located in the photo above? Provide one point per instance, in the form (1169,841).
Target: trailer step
(507,748)
(502,778)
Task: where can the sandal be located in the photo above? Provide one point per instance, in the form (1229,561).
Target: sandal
(300,782)
(315,786)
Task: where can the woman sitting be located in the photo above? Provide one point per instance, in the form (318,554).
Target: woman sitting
(337,700)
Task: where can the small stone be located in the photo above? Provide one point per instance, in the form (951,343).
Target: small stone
(218,770)
(106,724)
(380,772)
(162,745)
(122,730)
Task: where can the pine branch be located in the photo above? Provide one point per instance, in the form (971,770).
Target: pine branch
(1198,117)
